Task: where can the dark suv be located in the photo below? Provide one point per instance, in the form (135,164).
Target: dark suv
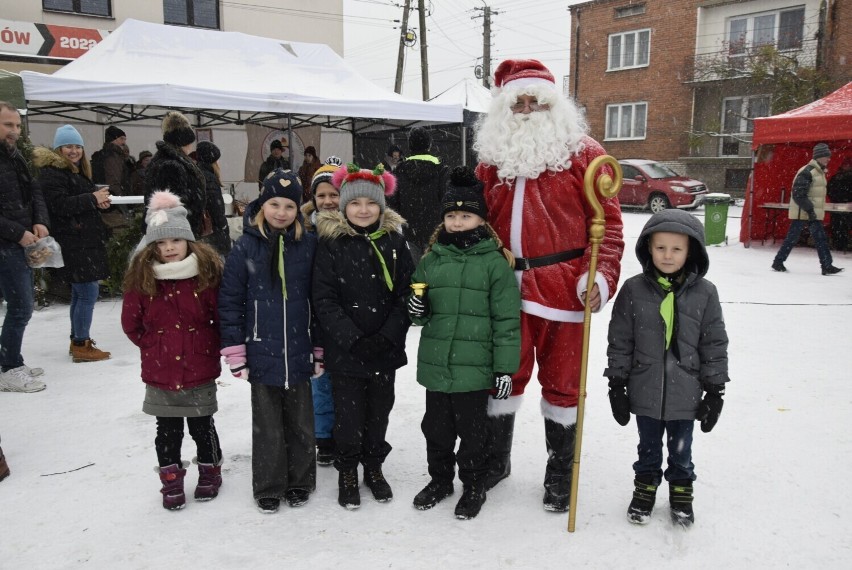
(653,185)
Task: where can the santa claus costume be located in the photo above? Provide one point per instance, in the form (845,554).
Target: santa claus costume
(534,153)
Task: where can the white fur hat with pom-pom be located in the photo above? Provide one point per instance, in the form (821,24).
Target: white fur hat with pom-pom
(166,218)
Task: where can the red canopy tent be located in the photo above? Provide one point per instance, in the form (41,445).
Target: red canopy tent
(782,144)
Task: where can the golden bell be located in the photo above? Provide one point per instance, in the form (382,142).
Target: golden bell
(419,289)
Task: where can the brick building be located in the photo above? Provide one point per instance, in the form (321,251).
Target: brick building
(667,79)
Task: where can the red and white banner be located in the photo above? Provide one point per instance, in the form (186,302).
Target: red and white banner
(28,39)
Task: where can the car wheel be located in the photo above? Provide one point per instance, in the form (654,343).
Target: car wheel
(658,203)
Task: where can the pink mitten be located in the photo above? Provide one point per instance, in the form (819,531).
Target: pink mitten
(235,358)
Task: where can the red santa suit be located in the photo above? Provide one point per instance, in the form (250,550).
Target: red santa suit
(542,216)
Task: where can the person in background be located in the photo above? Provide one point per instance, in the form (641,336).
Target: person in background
(361,279)
(265,312)
(276,159)
(840,192)
(137,179)
(216,232)
(109,164)
(807,208)
(667,348)
(23,221)
(324,197)
(393,159)
(74,204)
(170,312)
(307,170)
(421,182)
(467,352)
(172,168)
(534,154)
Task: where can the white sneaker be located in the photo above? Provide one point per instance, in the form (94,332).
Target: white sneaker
(17,380)
(33,372)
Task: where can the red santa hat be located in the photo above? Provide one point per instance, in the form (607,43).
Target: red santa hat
(519,73)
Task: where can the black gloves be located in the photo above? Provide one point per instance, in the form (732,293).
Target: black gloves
(417,306)
(710,406)
(369,348)
(503,384)
(619,401)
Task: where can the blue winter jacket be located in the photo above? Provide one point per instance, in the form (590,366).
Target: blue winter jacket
(252,309)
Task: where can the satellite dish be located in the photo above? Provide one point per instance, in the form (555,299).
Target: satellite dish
(410,38)
(477,72)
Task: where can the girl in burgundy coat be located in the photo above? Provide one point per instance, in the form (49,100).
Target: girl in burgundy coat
(170,313)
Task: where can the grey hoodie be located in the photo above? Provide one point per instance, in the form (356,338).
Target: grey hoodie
(668,384)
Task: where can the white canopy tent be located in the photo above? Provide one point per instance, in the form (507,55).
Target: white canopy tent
(469,93)
(141,69)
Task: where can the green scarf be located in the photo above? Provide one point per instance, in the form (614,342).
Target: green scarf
(667,308)
(374,236)
(281,264)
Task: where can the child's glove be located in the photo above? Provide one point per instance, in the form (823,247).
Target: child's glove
(235,358)
(503,384)
(319,362)
(710,407)
(417,306)
(369,348)
(619,401)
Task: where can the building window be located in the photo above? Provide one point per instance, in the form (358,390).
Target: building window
(630,49)
(626,121)
(782,29)
(87,7)
(736,178)
(195,13)
(738,114)
(631,10)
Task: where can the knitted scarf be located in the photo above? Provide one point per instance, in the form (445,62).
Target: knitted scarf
(183,269)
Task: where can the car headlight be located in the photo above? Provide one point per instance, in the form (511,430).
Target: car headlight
(679,189)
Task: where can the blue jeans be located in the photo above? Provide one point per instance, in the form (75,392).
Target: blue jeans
(16,284)
(679,443)
(323,406)
(820,240)
(83,299)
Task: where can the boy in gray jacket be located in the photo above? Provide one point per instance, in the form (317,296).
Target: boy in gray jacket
(667,347)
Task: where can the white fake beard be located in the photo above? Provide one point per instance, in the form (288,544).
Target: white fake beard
(525,145)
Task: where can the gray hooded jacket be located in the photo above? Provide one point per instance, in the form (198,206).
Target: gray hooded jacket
(668,384)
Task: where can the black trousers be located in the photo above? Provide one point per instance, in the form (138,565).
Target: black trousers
(170,437)
(282,443)
(462,415)
(362,407)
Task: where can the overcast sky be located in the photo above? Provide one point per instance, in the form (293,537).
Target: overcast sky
(537,29)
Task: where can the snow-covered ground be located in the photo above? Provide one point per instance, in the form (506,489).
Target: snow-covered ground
(772,489)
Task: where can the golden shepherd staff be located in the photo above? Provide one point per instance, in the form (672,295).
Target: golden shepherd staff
(608,188)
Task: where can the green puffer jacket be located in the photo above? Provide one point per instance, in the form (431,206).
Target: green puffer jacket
(472,329)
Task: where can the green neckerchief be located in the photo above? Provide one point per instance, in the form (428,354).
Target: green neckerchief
(281,264)
(667,308)
(426,157)
(374,236)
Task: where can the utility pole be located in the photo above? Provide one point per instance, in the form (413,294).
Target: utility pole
(400,60)
(486,43)
(424,57)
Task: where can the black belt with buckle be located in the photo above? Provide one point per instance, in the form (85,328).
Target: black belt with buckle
(527,263)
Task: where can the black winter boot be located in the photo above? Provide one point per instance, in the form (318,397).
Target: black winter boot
(325,451)
(432,494)
(349,497)
(470,502)
(644,496)
(500,461)
(680,502)
(560,460)
(375,480)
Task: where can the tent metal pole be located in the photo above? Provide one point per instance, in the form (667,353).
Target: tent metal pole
(290,138)
(464,145)
(750,200)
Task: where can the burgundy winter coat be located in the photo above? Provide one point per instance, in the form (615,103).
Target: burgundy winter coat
(177,332)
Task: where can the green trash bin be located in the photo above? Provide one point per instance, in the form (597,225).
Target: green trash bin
(715,217)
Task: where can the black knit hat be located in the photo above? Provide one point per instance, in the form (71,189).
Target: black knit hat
(281,183)
(176,129)
(207,152)
(464,193)
(112,132)
(419,140)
